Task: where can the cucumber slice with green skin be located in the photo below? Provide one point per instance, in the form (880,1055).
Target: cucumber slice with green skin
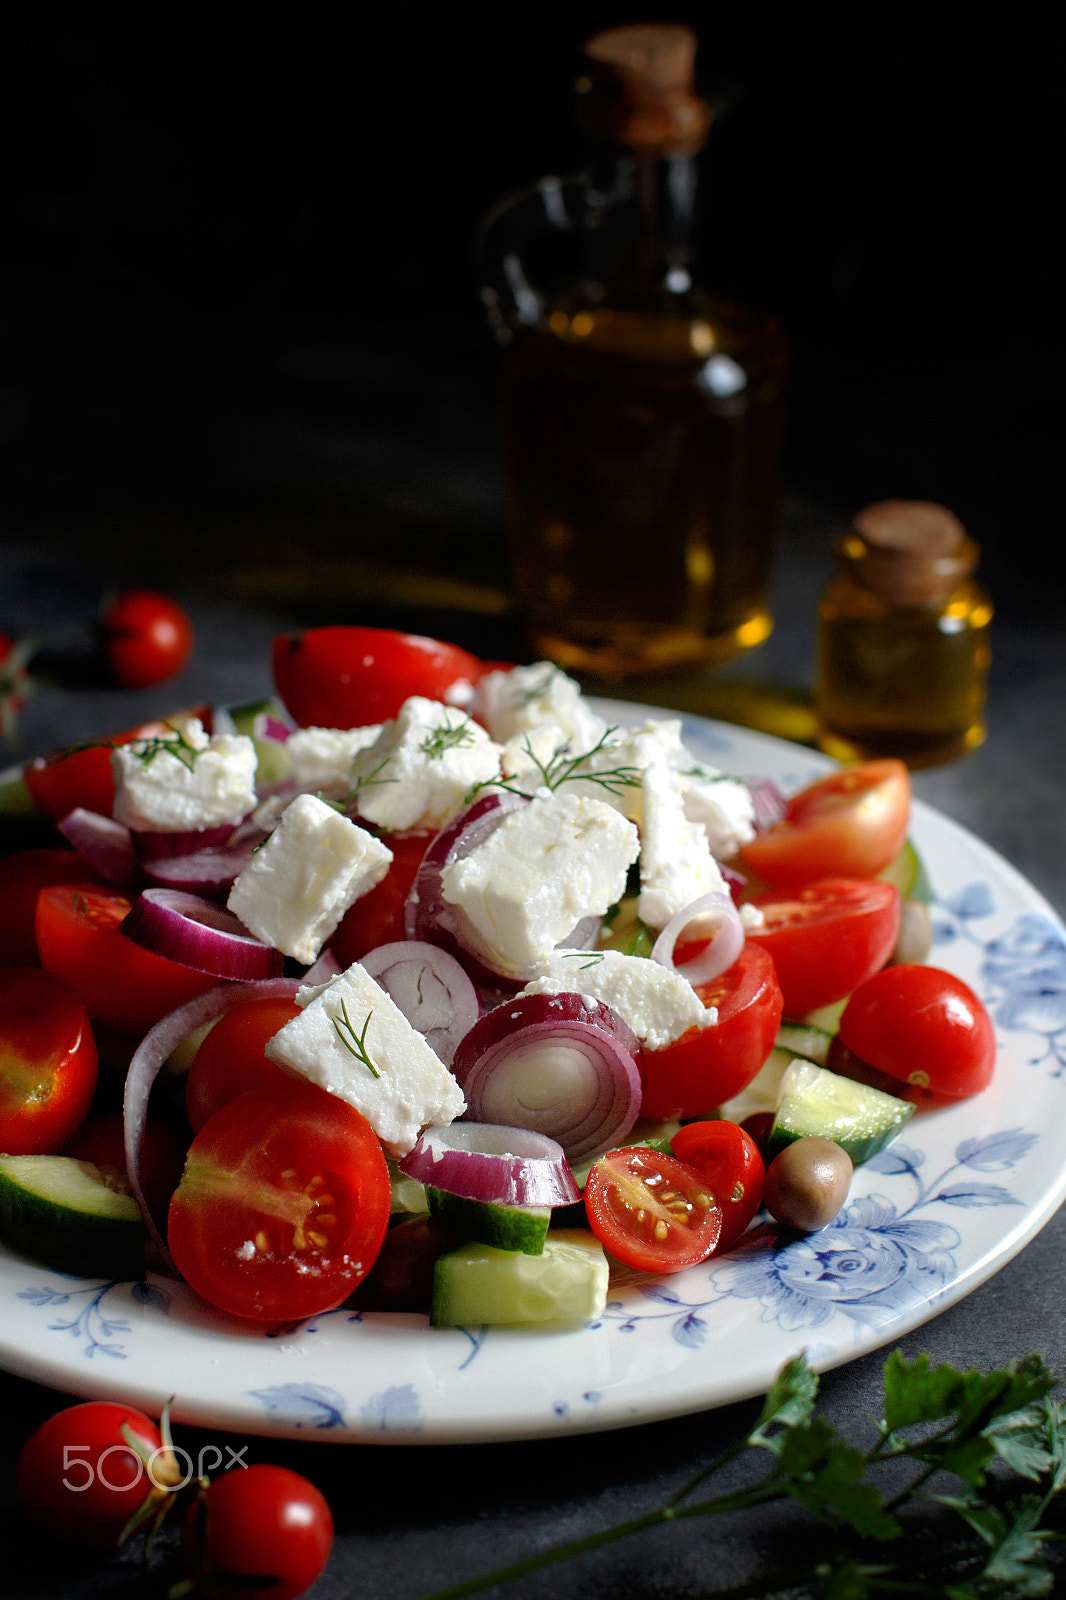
(523,1228)
(859,1118)
(826,1017)
(61,1213)
(477,1284)
(908,873)
(803,1039)
(274,763)
(763,1092)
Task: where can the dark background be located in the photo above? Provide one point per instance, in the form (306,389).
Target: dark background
(241,344)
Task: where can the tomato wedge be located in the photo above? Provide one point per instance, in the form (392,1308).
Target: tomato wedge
(729,1161)
(827,938)
(283,1204)
(48,1062)
(124,986)
(851,823)
(651,1211)
(377,917)
(708,1066)
(346,677)
(22,877)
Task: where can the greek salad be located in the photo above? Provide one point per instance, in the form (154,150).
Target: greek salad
(422,986)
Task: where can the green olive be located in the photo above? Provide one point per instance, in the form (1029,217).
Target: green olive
(807,1183)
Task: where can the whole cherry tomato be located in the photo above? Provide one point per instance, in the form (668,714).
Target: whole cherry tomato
(258,1521)
(347,677)
(147,637)
(22,876)
(88,1469)
(729,1162)
(923,1026)
(849,824)
(231,1057)
(48,1061)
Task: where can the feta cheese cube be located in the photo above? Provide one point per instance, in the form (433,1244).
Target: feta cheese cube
(658,1004)
(184,782)
(353,1041)
(676,864)
(722,804)
(423,764)
(322,757)
(303,878)
(548,865)
(522,699)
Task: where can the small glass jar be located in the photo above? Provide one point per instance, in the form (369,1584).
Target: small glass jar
(903,639)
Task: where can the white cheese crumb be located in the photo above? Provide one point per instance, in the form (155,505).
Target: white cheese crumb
(658,1004)
(422,766)
(184,782)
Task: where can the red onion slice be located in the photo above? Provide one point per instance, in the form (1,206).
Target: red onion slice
(562,1064)
(768,803)
(155,846)
(210,872)
(431,989)
(186,928)
(151,1055)
(104,843)
(498,1165)
(724,941)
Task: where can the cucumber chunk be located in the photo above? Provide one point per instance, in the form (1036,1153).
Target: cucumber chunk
(855,1116)
(477,1284)
(907,871)
(803,1039)
(764,1090)
(60,1212)
(521,1228)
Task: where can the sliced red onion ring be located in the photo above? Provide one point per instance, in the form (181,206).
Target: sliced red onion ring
(561,1064)
(768,803)
(154,1050)
(206,872)
(430,988)
(499,1165)
(187,928)
(104,843)
(321,971)
(723,945)
(163,846)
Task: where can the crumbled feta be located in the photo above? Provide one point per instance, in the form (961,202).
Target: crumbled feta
(525,698)
(322,757)
(676,864)
(353,1041)
(184,782)
(723,805)
(421,767)
(545,867)
(658,1004)
(303,878)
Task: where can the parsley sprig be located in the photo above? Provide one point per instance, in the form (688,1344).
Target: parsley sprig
(989,1448)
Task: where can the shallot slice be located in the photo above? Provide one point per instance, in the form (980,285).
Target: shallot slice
(104,843)
(713,923)
(430,988)
(495,1164)
(564,1065)
(187,928)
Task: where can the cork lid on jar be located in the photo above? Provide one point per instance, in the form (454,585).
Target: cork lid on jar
(638,89)
(908,552)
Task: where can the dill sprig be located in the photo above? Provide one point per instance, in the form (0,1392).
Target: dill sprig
(355,1043)
(173,743)
(447,736)
(561,767)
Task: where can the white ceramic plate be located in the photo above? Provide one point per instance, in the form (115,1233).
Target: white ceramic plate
(949,1203)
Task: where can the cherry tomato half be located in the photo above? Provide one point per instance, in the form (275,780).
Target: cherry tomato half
(22,877)
(851,823)
(80,1478)
(729,1162)
(650,1211)
(231,1057)
(124,986)
(147,637)
(282,1206)
(258,1521)
(924,1027)
(48,1061)
(344,677)
(81,775)
(827,938)
(377,917)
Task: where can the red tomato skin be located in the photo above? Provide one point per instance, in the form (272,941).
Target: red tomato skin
(707,1066)
(377,918)
(231,1058)
(81,777)
(730,1162)
(347,677)
(924,1027)
(22,876)
(851,823)
(260,1520)
(147,638)
(48,1062)
(84,1511)
(827,938)
(243,1153)
(124,987)
(616,1205)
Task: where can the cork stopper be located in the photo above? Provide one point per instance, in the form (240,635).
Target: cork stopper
(909,552)
(638,89)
